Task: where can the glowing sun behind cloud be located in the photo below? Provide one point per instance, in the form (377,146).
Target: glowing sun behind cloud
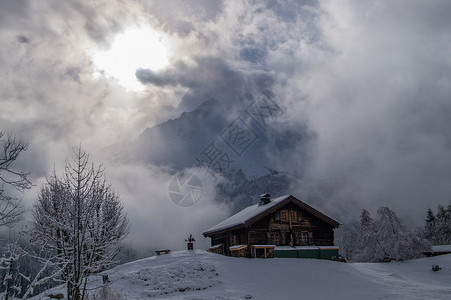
(135,48)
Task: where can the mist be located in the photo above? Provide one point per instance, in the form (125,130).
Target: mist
(363,90)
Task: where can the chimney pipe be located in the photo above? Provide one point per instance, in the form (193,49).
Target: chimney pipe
(265,199)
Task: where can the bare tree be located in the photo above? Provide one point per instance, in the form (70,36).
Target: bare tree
(11,208)
(12,181)
(80,221)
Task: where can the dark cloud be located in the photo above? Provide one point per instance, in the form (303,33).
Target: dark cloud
(292,11)
(208,78)
(13,12)
(23,39)
(181,17)
(254,55)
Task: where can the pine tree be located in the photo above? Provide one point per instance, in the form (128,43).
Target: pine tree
(437,228)
(429,231)
(443,226)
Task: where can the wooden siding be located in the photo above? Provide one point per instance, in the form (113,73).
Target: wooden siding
(315,231)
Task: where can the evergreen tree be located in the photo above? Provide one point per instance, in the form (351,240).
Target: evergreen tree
(430,227)
(443,226)
(437,228)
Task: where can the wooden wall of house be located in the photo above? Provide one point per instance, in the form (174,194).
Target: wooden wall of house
(230,238)
(258,236)
(320,233)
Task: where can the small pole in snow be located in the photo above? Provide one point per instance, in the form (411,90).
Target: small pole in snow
(190,242)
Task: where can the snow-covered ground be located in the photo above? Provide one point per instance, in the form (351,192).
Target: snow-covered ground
(202,275)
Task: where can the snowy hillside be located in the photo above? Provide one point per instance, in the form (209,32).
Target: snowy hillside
(202,275)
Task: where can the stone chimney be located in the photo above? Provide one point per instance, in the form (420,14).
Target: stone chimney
(264,199)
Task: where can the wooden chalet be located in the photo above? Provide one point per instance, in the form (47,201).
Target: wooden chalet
(282,227)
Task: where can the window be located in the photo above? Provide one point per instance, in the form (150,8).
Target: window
(275,238)
(288,215)
(284,215)
(293,216)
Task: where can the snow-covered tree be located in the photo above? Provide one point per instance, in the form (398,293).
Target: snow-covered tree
(443,225)
(430,229)
(79,221)
(12,183)
(12,278)
(368,248)
(21,271)
(346,239)
(387,238)
(396,240)
(437,228)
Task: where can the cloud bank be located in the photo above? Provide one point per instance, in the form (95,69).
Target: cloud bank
(369,82)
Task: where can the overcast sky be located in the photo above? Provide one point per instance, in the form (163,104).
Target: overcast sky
(370,80)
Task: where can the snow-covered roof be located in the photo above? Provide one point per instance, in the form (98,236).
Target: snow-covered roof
(238,247)
(215,246)
(252,212)
(246,214)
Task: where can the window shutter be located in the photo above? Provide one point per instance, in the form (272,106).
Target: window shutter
(268,237)
(277,216)
(284,237)
(310,238)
